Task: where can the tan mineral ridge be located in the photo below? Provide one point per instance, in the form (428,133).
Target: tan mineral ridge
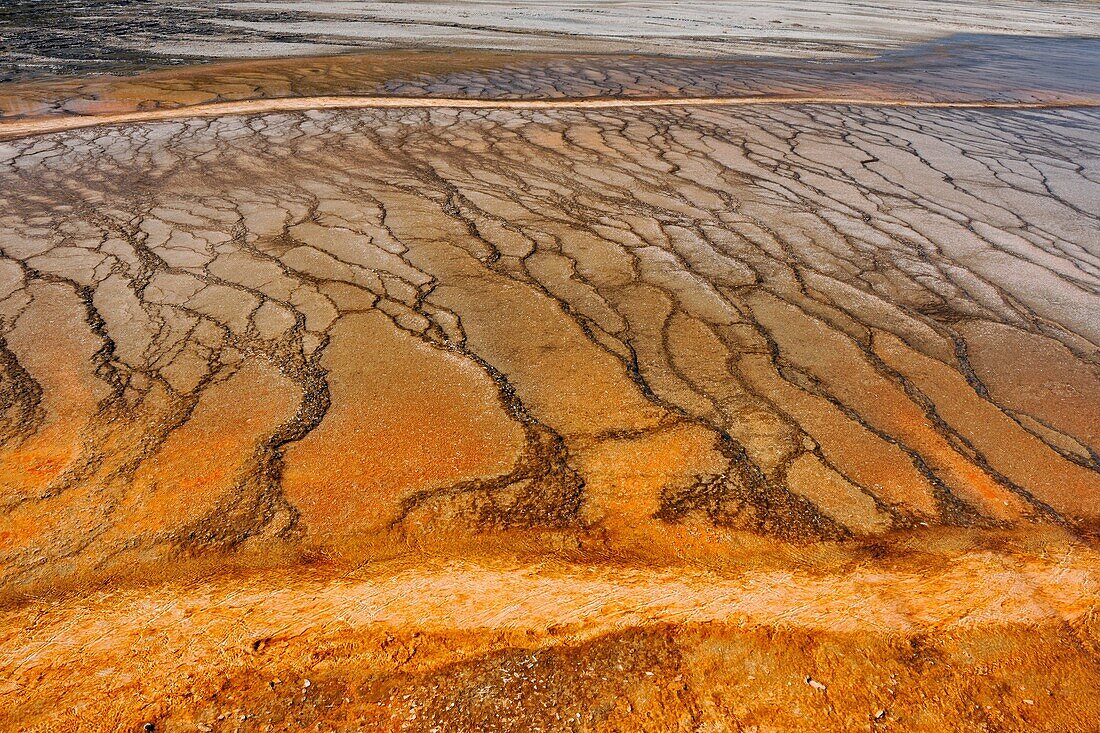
(744,413)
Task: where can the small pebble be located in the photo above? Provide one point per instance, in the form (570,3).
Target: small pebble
(307,683)
(149,727)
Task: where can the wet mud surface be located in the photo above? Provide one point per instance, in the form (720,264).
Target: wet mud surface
(705,417)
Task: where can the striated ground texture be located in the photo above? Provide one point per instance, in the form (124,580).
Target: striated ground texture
(412,391)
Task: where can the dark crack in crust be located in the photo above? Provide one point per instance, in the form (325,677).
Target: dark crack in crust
(744,498)
(542,490)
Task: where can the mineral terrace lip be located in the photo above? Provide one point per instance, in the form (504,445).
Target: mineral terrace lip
(21,128)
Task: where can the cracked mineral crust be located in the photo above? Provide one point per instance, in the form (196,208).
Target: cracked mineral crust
(502,391)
